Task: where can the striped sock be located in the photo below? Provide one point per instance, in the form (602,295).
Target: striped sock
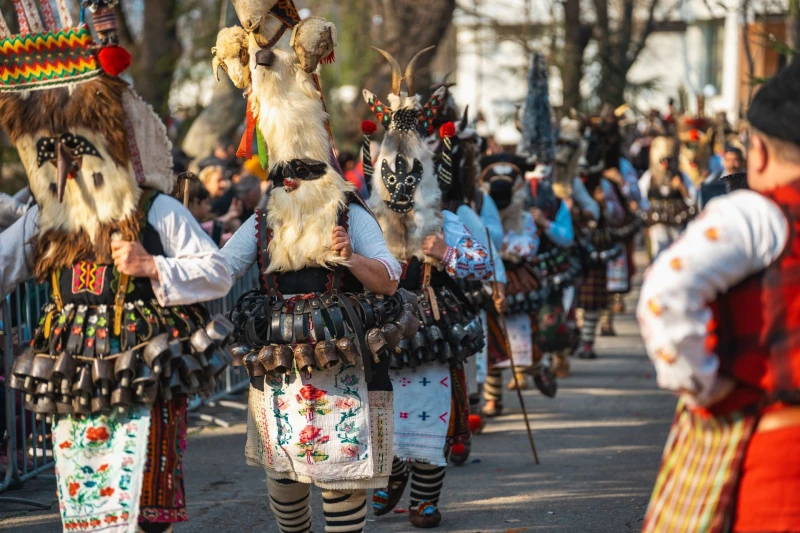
(290,502)
(590,319)
(493,388)
(426,483)
(345,512)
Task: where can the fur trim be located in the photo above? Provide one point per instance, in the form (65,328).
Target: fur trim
(303,221)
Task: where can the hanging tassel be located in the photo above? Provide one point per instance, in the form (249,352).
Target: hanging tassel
(367,128)
(446,173)
(245,150)
(330,58)
(263,158)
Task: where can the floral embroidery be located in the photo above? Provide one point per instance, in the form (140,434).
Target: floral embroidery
(469,259)
(310,438)
(712,234)
(676,264)
(655,307)
(313,401)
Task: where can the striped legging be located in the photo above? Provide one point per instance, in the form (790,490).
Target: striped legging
(290,502)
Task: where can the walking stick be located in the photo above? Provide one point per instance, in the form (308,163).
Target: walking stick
(510,356)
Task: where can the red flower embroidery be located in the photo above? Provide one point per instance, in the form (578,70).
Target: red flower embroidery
(110,519)
(73,489)
(124,515)
(102,468)
(108,491)
(94,522)
(102,333)
(97,434)
(310,393)
(65,444)
(309,434)
(76,330)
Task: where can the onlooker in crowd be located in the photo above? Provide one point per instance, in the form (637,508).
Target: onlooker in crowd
(733,161)
(213,179)
(220,228)
(351,172)
(248,191)
(224,155)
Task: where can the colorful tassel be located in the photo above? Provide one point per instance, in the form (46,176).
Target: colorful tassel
(245,150)
(263,158)
(367,128)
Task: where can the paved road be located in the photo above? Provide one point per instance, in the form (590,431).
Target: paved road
(599,442)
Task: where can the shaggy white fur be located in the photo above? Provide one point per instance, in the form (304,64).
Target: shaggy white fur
(291,117)
(404,232)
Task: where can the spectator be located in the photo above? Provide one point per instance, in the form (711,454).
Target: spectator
(224,155)
(733,161)
(221,228)
(351,173)
(248,192)
(213,179)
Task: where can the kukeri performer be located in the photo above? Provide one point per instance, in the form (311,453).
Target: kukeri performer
(670,194)
(314,335)
(431,407)
(717,313)
(123,341)
(477,211)
(503,178)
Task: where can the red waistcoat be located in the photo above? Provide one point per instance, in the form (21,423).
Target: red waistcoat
(756,326)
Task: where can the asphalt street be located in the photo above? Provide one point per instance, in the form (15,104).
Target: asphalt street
(599,442)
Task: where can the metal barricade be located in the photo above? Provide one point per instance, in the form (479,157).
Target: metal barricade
(25,440)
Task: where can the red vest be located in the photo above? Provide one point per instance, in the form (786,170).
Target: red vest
(756,326)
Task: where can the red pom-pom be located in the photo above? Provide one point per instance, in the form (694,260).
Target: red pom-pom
(459,449)
(447,130)
(694,135)
(475,423)
(369,127)
(114,59)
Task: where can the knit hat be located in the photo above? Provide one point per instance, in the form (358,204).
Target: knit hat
(776,107)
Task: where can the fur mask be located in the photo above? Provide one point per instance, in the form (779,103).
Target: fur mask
(86,152)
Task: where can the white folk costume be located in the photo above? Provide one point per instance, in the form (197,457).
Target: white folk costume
(314,343)
(114,357)
(431,408)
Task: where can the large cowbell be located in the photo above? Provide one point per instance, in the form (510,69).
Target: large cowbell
(401,183)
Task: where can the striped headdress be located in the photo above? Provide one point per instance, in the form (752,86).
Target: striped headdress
(49,50)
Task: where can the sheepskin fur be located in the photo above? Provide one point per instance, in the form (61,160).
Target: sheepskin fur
(231,53)
(404,232)
(313,39)
(257,20)
(292,119)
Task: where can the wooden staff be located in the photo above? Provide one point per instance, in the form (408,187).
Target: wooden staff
(510,356)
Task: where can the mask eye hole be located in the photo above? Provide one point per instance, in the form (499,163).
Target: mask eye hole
(391,180)
(409,181)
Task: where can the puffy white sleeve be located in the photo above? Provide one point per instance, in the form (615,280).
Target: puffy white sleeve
(192,268)
(16,253)
(241,250)
(736,236)
(466,257)
(367,240)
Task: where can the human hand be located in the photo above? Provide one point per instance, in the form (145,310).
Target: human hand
(539,217)
(612,174)
(341,243)
(434,246)
(132,259)
(499,297)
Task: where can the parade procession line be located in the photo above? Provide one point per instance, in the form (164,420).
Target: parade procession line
(599,441)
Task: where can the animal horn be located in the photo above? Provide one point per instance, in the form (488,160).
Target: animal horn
(464,119)
(410,70)
(215,63)
(397,73)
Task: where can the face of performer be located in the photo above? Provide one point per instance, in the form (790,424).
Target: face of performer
(771,163)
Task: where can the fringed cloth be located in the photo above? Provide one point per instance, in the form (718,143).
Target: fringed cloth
(700,470)
(163,498)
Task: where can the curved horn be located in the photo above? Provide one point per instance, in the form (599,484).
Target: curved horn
(215,63)
(410,70)
(464,119)
(397,73)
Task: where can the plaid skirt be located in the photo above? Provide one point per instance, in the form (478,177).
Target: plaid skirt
(593,292)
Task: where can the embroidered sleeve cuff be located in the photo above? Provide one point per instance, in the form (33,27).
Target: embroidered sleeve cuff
(449,257)
(391,268)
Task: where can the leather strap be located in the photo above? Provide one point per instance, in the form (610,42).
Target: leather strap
(317,320)
(299,328)
(430,295)
(362,342)
(275,323)
(332,314)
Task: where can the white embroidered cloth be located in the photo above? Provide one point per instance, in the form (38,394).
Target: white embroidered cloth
(520,337)
(100,463)
(421,413)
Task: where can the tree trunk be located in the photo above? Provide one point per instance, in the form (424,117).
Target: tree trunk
(158,54)
(224,113)
(793,28)
(576,39)
(407,27)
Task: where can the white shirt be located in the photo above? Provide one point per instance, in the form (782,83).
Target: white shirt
(366,237)
(192,269)
(736,236)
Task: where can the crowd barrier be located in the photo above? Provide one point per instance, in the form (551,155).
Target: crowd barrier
(25,449)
